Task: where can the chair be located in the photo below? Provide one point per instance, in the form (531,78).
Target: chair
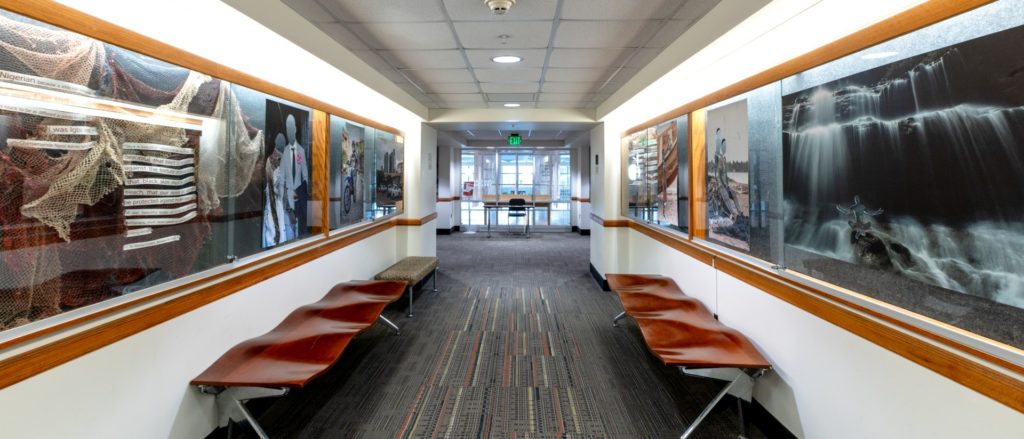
(517,209)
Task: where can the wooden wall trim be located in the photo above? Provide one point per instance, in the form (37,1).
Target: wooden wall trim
(905,22)
(609,223)
(321,173)
(416,221)
(40,359)
(54,13)
(698,175)
(447,199)
(580,199)
(850,316)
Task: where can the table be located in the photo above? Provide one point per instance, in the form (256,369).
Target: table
(497,208)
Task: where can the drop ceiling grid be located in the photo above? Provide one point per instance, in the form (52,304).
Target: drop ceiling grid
(575,52)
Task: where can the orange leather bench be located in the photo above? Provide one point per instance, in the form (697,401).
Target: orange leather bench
(681,332)
(302,347)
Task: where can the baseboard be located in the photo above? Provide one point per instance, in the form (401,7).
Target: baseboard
(575,229)
(455,229)
(444,231)
(600,280)
(765,422)
(585,232)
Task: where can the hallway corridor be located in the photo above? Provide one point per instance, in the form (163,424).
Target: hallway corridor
(517,342)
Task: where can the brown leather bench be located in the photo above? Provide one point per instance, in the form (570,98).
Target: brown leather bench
(302,347)
(681,332)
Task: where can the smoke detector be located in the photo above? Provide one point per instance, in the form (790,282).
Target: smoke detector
(499,7)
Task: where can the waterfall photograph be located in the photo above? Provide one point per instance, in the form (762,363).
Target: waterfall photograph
(728,187)
(907,180)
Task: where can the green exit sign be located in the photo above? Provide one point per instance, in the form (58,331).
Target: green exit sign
(514,139)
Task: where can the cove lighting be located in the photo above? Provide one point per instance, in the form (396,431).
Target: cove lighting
(506,59)
(512,105)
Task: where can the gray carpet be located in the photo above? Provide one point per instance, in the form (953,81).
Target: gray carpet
(517,343)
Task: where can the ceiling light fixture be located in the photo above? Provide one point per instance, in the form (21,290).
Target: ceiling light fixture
(507,59)
(512,105)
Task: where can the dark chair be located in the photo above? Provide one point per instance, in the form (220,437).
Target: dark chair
(517,209)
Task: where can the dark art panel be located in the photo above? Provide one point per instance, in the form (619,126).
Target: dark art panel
(667,135)
(634,145)
(728,193)
(682,129)
(650,171)
(287,172)
(906,182)
(348,178)
(390,164)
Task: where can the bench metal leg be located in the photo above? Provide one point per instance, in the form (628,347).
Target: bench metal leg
(615,321)
(410,300)
(231,404)
(741,385)
(389,324)
(435,280)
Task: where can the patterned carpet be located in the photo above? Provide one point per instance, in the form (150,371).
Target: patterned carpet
(517,343)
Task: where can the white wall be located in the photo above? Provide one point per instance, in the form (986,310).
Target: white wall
(138,387)
(829,382)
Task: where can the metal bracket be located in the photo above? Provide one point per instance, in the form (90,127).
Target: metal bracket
(231,404)
(740,384)
(389,324)
(615,321)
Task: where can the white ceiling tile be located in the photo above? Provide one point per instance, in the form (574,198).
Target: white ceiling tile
(466,10)
(406,36)
(343,36)
(617,9)
(425,59)
(565,97)
(510,87)
(440,75)
(411,89)
(577,75)
(696,9)
(523,35)
(568,87)
(574,104)
(642,57)
(669,33)
(458,97)
(453,87)
(508,75)
(481,58)
(384,11)
(374,60)
(597,34)
(460,105)
(585,58)
(310,10)
(393,75)
(511,97)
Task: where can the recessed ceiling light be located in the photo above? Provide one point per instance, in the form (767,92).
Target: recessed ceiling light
(512,105)
(506,59)
(879,55)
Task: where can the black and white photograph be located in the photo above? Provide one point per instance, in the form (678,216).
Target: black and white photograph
(286,182)
(728,173)
(912,173)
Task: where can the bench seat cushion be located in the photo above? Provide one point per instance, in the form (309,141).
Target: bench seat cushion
(679,329)
(412,269)
(307,343)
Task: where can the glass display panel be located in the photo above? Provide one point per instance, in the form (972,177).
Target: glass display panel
(904,176)
(636,188)
(390,163)
(348,178)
